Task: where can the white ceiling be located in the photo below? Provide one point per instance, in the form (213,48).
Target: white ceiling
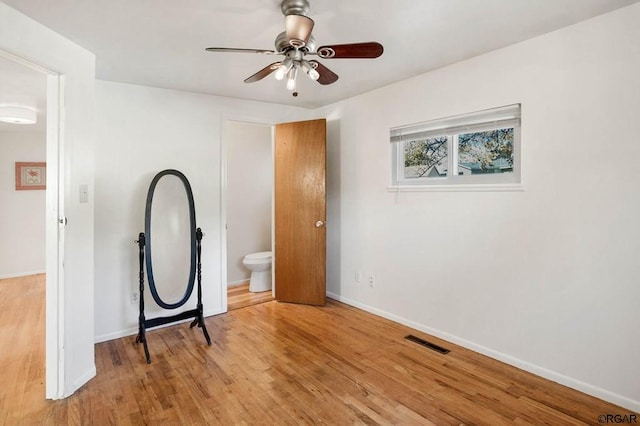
(161,42)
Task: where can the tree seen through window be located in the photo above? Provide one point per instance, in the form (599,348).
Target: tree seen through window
(426,157)
(478,153)
(486,152)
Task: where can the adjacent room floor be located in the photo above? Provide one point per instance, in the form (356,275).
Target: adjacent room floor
(275,363)
(239,296)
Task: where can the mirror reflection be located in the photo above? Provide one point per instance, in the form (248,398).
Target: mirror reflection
(169,239)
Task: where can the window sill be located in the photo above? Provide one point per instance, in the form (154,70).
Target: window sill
(507,187)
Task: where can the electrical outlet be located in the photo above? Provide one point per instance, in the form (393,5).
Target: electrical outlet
(134,297)
(371,280)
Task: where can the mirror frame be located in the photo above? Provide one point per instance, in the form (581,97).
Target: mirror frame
(147,231)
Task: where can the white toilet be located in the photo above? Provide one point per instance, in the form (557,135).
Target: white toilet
(260,266)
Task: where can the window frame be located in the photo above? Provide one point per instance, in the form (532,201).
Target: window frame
(486,120)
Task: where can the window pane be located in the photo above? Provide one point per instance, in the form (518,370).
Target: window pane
(485,152)
(426,158)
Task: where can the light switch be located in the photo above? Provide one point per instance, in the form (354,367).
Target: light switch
(84,193)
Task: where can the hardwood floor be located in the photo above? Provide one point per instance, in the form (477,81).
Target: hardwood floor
(22,346)
(277,363)
(239,296)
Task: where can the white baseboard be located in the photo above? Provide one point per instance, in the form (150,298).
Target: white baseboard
(236,283)
(587,388)
(21,274)
(115,335)
(134,330)
(82,380)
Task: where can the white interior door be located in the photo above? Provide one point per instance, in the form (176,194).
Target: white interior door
(55,225)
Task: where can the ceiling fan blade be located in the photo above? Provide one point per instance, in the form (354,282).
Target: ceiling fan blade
(355,50)
(238,50)
(298,29)
(263,73)
(326,75)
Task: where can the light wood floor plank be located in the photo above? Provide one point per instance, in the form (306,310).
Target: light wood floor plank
(275,363)
(239,296)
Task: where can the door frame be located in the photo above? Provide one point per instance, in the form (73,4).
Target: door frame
(54,229)
(223,197)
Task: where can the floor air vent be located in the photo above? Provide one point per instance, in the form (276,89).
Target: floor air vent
(426,344)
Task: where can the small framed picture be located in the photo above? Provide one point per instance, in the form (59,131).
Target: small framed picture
(31,176)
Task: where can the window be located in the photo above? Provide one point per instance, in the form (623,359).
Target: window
(481,148)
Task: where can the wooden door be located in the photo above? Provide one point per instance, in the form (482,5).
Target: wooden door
(300,212)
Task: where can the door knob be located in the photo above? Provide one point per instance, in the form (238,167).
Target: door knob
(319,224)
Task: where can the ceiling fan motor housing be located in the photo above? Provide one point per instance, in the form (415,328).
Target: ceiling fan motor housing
(283,43)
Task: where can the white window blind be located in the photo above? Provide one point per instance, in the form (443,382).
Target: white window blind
(490,119)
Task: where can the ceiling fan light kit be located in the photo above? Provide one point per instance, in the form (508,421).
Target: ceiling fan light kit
(295,42)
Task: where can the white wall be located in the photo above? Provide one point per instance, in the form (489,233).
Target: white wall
(141,131)
(22,248)
(249,194)
(37,44)
(547,278)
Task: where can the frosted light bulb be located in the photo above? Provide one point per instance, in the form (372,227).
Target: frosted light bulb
(310,70)
(282,70)
(291,84)
(313,74)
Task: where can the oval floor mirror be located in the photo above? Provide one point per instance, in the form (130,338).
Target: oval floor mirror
(170,248)
(170,230)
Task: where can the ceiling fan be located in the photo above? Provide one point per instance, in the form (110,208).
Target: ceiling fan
(296,42)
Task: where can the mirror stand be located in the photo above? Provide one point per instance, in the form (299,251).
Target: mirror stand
(197,314)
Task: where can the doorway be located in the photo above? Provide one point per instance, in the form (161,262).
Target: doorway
(298,217)
(249,207)
(28,85)
(22,97)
